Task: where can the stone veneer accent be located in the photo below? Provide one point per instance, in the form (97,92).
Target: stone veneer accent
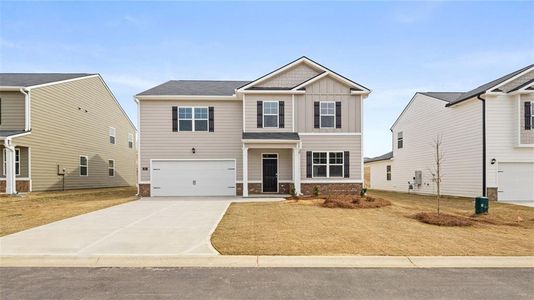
(331,188)
(492,194)
(22,186)
(144,189)
(255,188)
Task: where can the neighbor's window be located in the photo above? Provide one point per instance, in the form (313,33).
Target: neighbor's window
(193,119)
(84,165)
(328,114)
(400,140)
(130,140)
(111,167)
(270,114)
(0,111)
(388,172)
(112,133)
(17,162)
(327,164)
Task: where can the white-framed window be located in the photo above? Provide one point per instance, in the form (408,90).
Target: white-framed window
(84,165)
(112,134)
(400,140)
(130,140)
(111,167)
(327,164)
(192,118)
(327,114)
(17,162)
(388,172)
(270,114)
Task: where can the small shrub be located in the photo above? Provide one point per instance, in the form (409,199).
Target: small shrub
(293,192)
(442,219)
(363,192)
(316,191)
(338,203)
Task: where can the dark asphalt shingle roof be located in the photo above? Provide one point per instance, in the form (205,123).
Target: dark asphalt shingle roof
(195,87)
(386,156)
(445,96)
(31,79)
(271,136)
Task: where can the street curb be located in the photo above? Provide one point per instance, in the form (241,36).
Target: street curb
(270,261)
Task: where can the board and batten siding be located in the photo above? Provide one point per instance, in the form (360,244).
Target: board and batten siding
(322,143)
(71,119)
(13,112)
(502,127)
(291,77)
(255,163)
(158,141)
(460,128)
(251,110)
(328,89)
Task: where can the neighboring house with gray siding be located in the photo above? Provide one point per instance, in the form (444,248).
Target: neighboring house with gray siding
(299,127)
(63,131)
(487,142)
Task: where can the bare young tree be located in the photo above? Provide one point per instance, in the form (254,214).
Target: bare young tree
(438,163)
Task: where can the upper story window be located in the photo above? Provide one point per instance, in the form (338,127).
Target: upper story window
(388,172)
(130,141)
(112,133)
(529,115)
(328,114)
(270,114)
(192,119)
(327,164)
(400,140)
(17,162)
(84,165)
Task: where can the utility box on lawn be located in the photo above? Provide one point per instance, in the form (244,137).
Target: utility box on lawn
(481,205)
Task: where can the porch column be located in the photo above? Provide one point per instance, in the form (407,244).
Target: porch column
(11,187)
(296,169)
(245,171)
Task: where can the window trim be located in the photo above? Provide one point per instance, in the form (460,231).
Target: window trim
(193,118)
(131,140)
(327,115)
(111,168)
(328,164)
(86,165)
(400,139)
(388,172)
(17,163)
(114,135)
(271,114)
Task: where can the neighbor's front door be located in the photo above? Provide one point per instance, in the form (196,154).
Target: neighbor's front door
(270,173)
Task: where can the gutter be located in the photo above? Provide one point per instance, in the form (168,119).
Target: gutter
(484,189)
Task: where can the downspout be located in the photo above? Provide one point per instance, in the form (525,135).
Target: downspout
(27,124)
(484,189)
(11,187)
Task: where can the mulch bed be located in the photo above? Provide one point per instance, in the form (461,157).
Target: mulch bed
(442,219)
(350,201)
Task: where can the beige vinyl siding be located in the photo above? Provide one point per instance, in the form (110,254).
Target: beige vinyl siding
(255,164)
(351,143)
(24,152)
(378,174)
(328,89)
(158,141)
(72,119)
(12,111)
(291,77)
(251,110)
(525,136)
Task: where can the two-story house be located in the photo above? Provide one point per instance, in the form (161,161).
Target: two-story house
(299,126)
(487,142)
(63,131)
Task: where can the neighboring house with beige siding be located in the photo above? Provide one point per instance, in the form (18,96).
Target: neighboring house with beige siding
(298,127)
(487,142)
(63,131)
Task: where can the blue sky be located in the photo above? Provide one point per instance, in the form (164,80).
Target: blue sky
(394,48)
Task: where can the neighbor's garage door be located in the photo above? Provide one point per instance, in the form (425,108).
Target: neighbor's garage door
(516,181)
(193,178)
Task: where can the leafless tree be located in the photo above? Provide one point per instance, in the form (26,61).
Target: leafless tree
(437,172)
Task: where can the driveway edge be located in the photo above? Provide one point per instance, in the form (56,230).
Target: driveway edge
(271,261)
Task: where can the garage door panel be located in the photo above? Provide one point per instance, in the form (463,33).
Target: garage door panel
(193,178)
(516,181)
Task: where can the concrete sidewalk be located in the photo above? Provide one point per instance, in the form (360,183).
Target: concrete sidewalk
(271,261)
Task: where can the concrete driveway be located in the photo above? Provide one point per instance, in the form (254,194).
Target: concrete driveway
(151,226)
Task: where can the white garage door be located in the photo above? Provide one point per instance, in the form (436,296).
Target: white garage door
(516,181)
(193,178)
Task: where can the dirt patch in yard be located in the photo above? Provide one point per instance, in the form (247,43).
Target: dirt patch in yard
(22,212)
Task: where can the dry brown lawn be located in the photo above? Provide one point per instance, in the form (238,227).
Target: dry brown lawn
(306,228)
(18,213)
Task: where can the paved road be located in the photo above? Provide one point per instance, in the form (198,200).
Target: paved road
(263,283)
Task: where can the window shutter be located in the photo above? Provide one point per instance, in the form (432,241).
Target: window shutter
(338,114)
(281,114)
(346,164)
(528,115)
(316,114)
(260,114)
(174,118)
(211,119)
(309,168)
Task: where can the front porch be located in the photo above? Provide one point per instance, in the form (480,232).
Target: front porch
(20,167)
